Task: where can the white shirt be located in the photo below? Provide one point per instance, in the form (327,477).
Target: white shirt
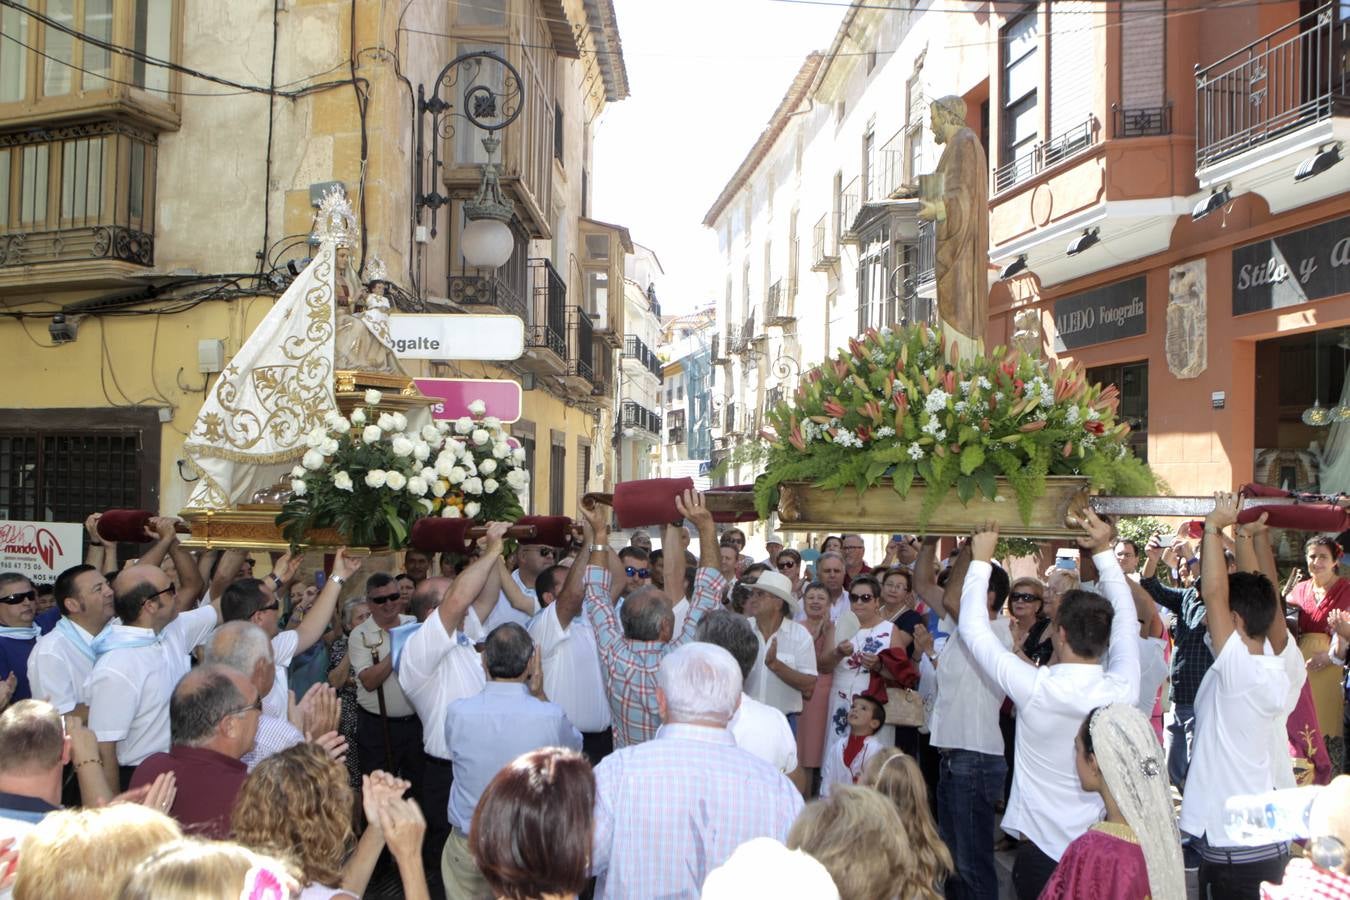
(527,590)
(1152,672)
(795,650)
(1048,806)
(965,700)
(435,669)
(762,730)
(395,702)
(277,701)
(58,670)
(129,689)
(835,771)
(571,664)
(1243,700)
(681,612)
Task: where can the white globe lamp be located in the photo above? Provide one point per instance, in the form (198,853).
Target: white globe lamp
(487,243)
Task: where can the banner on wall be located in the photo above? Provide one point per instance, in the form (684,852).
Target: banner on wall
(1289,269)
(40,550)
(1107,313)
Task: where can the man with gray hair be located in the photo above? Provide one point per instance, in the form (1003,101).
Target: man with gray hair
(213,717)
(669,811)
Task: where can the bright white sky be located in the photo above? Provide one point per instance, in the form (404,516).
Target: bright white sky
(705,75)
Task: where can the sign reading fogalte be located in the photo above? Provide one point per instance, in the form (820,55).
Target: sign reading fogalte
(449,336)
(1298,267)
(40,550)
(1107,313)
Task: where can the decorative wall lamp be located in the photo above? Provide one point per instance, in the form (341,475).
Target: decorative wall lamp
(494,95)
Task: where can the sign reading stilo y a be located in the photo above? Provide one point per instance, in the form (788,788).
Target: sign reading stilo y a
(40,550)
(1296,267)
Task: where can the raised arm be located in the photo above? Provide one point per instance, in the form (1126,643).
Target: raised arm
(320,615)
(1123,659)
(672,559)
(925,576)
(568,600)
(191,585)
(709,582)
(1214,570)
(1014,675)
(598,604)
(159,529)
(98,552)
(231,561)
(955,587)
(476,576)
(518,599)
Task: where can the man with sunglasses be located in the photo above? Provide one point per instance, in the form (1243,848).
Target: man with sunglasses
(255,600)
(20,627)
(139,660)
(637,568)
(388,731)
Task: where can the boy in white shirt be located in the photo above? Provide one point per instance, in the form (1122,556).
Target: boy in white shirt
(1245,697)
(847,757)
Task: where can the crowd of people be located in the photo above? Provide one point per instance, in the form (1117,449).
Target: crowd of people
(622,721)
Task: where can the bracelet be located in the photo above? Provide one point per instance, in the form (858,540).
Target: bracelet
(88,762)
(599,548)
(339,580)
(276,580)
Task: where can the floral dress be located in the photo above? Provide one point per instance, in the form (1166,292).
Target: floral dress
(347,721)
(851,678)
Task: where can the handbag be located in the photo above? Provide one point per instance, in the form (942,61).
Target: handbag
(904,707)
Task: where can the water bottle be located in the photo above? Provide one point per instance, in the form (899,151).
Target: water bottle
(1257,819)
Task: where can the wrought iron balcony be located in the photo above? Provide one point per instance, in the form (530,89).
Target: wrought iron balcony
(736,339)
(1144,121)
(635,349)
(774,396)
(580,344)
(778,306)
(888,171)
(675,435)
(849,204)
(547,325)
(825,242)
(486,291)
(925,253)
(1047,154)
(635,415)
(1293,77)
(602,378)
(750,335)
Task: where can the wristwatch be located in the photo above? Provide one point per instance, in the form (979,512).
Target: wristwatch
(599,548)
(337,579)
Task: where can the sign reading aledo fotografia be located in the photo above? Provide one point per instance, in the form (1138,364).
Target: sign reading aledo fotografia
(1107,313)
(1309,264)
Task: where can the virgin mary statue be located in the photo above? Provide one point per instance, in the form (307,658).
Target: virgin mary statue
(279,386)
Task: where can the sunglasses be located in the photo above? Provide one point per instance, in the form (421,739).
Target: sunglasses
(854,547)
(381,600)
(274,605)
(640,573)
(1020,597)
(862,598)
(787,565)
(543,551)
(16,599)
(168,590)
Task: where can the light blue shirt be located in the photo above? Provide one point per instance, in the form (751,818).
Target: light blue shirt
(488,730)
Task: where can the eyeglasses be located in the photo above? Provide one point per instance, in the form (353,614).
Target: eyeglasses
(543,551)
(854,547)
(381,600)
(255,706)
(1020,597)
(640,573)
(16,599)
(787,565)
(168,590)
(274,605)
(862,598)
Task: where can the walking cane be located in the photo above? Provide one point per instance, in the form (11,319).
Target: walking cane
(379,697)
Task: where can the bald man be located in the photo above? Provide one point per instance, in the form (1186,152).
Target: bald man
(138,663)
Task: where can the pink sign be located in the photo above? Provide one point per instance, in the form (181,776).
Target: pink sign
(452,396)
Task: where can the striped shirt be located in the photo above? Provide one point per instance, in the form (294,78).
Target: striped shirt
(629,666)
(671,810)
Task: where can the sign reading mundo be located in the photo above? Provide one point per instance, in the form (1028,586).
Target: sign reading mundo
(1107,313)
(40,550)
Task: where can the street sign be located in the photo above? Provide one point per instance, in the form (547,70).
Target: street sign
(448,336)
(452,396)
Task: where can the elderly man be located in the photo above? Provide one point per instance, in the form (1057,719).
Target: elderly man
(436,664)
(255,600)
(20,628)
(34,747)
(485,732)
(757,727)
(64,657)
(669,811)
(213,717)
(773,545)
(139,662)
(642,540)
(854,548)
(631,651)
(831,571)
(243,648)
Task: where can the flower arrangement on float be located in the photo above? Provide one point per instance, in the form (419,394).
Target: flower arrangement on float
(894,407)
(369,478)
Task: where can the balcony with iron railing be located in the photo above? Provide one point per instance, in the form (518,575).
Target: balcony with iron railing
(1144,121)
(736,339)
(1288,80)
(778,306)
(478,292)
(849,204)
(675,435)
(580,350)
(774,396)
(750,335)
(888,169)
(635,415)
(1046,155)
(925,254)
(636,350)
(546,327)
(825,243)
(602,372)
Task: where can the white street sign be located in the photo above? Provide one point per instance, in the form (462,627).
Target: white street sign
(448,336)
